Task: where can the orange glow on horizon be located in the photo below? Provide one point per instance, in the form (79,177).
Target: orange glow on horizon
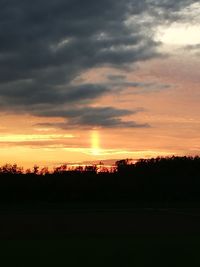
(33,137)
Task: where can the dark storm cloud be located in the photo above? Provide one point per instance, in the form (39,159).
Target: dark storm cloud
(92,117)
(145,87)
(34,94)
(166,5)
(86,112)
(116,78)
(170,10)
(118,82)
(45,45)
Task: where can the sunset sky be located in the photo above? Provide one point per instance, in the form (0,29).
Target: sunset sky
(84,80)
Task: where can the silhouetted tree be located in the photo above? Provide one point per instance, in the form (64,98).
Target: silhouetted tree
(35,169)
(44,171)
(166,181)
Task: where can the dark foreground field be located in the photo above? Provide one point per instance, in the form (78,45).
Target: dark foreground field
(89,218)
(88,237)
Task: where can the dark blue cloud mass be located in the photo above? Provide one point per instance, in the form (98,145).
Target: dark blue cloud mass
(46,45)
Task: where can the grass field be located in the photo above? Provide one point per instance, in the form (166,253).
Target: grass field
(99,238)
(137,250)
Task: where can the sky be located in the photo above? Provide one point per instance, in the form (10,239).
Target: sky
(96,80)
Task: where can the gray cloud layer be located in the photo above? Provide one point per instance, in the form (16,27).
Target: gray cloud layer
(92,117)
(45,45)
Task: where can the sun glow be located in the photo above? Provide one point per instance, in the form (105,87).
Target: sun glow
(179,34)
(95,146)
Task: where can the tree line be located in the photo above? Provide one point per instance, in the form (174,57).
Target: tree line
(163,180)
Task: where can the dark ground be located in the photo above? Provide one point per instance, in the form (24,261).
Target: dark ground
(89,237)
(85,218)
